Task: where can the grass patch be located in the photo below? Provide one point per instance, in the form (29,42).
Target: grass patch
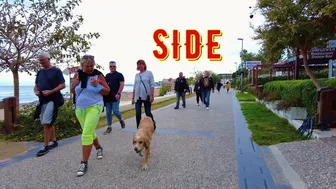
(245,97)
(267,128)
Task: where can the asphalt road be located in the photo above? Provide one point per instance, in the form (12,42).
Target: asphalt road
(191,148)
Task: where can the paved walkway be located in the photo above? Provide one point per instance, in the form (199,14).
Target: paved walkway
(192,148)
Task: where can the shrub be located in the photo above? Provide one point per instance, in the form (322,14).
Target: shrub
(251,90)
(298,92)
(302,75)
(28,129)
(164,89)
(272,96)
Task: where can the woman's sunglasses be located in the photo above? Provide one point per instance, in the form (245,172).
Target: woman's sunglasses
(88,57)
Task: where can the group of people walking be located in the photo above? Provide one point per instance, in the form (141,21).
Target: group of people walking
(93,91)
(204,85)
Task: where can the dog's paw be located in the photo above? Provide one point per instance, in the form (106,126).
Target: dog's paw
(144,167)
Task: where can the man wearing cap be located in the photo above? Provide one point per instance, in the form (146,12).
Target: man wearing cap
(115,80)
(48,85)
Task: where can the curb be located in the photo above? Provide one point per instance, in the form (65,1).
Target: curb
(289,173)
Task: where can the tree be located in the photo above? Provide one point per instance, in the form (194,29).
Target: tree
(303,24)
(29,27)
(250,56)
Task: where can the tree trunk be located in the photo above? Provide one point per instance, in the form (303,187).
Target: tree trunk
(16,88)
(313,78)
(309,72)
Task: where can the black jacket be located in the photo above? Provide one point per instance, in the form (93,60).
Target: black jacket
(207,83)
(198,84)
(181,84)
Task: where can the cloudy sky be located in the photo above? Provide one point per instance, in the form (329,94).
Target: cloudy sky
(126,28)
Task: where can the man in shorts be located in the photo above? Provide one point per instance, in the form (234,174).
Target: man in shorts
(48,84)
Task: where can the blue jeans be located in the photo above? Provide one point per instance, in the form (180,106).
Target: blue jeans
(112,106)
(206,97)
(148,111)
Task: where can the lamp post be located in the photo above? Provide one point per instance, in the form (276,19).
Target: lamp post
(241,57)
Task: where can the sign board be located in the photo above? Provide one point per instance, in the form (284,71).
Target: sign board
(251,64)
(332,44)
(322,53)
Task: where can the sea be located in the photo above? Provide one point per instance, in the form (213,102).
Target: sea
(26,93)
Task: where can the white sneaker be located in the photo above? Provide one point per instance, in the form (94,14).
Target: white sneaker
(197,104)
(207,108)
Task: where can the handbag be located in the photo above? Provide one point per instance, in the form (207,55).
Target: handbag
(148,96)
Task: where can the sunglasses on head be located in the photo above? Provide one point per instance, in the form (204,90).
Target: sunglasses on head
(88,57)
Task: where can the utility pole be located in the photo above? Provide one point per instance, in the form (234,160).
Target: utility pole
(242,62)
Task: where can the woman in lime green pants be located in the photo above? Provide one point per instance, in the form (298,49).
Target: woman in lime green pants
(89,85)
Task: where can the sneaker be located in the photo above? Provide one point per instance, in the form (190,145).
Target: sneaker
(197,104)
(176,108)
(44,150)
(100,153)
(207,108)
(53,144)
(122,123)
(82,169)
(184,106)
(108,130)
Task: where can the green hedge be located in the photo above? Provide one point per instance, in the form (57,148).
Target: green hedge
(298,92)
(303,75)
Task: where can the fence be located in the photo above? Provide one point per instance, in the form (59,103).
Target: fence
(9,106)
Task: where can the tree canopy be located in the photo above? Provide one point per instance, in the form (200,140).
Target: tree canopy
(29,27)
(297,24)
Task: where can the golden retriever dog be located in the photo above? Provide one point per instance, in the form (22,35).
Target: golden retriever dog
(142,139)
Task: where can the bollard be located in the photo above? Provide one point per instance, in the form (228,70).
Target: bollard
(10,115)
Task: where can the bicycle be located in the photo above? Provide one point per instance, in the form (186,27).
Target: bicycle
(307,126)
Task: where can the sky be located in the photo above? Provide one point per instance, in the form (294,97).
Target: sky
(126,28)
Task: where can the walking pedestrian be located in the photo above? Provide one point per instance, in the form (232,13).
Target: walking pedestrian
(227,86)
(208,86)
(115,80)
(219,85)
(181,87)
(198,90)
(143,91)
(48,85)
(89,85)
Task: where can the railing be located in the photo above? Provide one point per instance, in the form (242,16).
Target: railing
(9,106)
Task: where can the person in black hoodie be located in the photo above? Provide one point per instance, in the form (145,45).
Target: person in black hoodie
(181,87)
(219,85)
(198,90)
(208,85)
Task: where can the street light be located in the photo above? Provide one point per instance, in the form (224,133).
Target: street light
(241,57)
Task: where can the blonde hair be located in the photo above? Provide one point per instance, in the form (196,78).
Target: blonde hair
(88,60)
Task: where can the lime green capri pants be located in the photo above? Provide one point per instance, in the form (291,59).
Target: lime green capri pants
(88,119)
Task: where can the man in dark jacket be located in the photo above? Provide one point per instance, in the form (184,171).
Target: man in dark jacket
(181,87)
(208,85)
